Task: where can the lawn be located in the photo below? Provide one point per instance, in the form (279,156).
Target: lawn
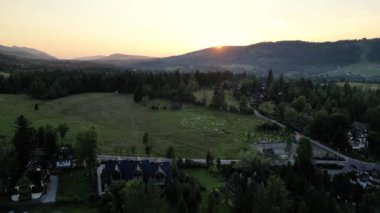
(210,181)
(74,185)
(121,123)
(208,93)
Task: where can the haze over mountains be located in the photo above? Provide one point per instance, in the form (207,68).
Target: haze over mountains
(348,57)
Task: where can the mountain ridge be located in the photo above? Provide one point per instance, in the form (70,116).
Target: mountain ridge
(25,52)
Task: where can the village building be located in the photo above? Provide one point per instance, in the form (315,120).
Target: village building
(374,178)
(147,170)
(357,136)
(65,157)
(32,184)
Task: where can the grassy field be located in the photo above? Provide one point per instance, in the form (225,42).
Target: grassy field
(210,181)
(372,86)
(121,123)
(74,185)
(230,99)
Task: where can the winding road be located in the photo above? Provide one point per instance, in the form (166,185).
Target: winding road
(349,162)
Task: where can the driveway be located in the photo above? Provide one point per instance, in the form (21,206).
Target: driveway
(51,195)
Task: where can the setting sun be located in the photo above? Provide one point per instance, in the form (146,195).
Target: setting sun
(72,28)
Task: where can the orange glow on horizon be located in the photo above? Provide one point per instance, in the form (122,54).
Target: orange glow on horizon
(72,28)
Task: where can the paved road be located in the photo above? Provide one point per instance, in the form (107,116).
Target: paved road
(199,160)
(50,196)
(360,165)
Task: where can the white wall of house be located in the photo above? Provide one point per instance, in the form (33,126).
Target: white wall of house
(36,195)
(63,164)
(98,175)
(15,197)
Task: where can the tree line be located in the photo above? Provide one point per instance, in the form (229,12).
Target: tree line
(323,110)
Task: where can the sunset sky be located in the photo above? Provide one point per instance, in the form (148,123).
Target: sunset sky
(74,28)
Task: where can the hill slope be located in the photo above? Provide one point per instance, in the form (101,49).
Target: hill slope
(24,52)
(283,57)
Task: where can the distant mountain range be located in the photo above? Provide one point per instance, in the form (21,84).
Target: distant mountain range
(289,57)
(116,56)
(296,58)
(117,59)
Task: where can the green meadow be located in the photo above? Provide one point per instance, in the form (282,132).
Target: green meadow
(121,123)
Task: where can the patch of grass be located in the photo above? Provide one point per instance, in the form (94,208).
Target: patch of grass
(121,123)
(208,93)
(210,181)
(74,185)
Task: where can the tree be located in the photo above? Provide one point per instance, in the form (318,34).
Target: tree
(267,108)
(304,153)
(170,153)
(133,196)
(269,79)
(23,140)
(218,99)
(243,102)
(339,125)
(87,144)
(62,129)
(319,127)
(218,164)
(213,202)
(269,90)
(182,206)
(192,84)
(299,103)
(147,143)
(370,202)
(209,159)
(375,119)
(50,142)
(141,198)
(138,94)
(38,88)
(277,195)
(36,107)
(374,143)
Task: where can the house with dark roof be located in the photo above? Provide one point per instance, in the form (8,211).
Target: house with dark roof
(158,171)
(32,184)
(357,136)
(65,157)
(374,177)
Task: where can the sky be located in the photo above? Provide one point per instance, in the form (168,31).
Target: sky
(75,28)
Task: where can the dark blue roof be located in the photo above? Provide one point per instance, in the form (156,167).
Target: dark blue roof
(128,167)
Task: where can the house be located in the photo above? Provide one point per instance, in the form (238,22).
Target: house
(357,136)
(374,178)
(65,157)
(32,184)
(158,171)
(363,180)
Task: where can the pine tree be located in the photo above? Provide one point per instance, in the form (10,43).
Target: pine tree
(23,140)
